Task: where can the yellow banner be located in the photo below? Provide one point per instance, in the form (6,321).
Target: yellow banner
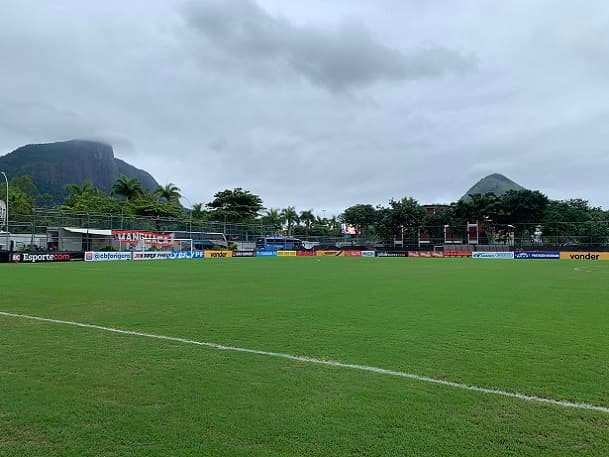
(588,256)
(329,253)
(286,253)
(218,254)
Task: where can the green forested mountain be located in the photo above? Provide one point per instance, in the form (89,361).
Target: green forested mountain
(54,165)
(495,183)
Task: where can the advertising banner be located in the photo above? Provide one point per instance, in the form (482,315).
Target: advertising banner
(437,254)
(305,253)
(339,253)
(544,255)
(286,253)
(179,255)
(244,253)
(392,254)
(152,255)
(218,254)
(263,253)
(368,253)
(103,256)
(34,257)
(135,236)
(353,253)
(584,256)
(492,255)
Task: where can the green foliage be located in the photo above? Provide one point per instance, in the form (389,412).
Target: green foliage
(405,215)
(169,193)
(21,196)
(363,216)
(235,205)
(307,218)
(272,218)
(290,217)
(129,188)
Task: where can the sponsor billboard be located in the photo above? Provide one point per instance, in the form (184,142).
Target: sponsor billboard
(492,255)
(392,254)
(286,253)
(218,254)
(135,236)
(305,253)
(544,255)
(103,256)
(354,253)
(263,253)
(339,253)
(179,255)
(368,253)
(244,253)
(34,257)
(584,256)
(152,255)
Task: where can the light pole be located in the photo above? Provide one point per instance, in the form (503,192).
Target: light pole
(8,237)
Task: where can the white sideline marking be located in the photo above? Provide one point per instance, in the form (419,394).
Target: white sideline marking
(333,363)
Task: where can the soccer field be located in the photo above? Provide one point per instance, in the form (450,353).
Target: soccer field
(536,329)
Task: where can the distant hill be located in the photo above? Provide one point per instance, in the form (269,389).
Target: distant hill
(495,183)
(54,165)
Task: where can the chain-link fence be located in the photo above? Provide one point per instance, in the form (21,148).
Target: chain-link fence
(33,230)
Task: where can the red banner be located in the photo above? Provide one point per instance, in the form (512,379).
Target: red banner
(305,253)
(135,236)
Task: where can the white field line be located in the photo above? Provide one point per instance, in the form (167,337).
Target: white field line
(332,363)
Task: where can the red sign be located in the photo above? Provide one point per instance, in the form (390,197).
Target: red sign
(135,236)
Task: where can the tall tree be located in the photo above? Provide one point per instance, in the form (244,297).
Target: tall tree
(289,216)
(402,216)
(169,192)
(129,188)
(307,218)
(21,197)
(272,218)
(235,205)
(76,192)
(362,216)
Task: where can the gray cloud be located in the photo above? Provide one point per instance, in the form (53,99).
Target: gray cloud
(318,104)
(341,58)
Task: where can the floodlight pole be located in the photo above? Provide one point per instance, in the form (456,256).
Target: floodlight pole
(8,236)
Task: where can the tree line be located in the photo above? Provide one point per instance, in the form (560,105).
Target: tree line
(515,209)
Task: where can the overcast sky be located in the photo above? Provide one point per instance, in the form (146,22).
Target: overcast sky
(317,104)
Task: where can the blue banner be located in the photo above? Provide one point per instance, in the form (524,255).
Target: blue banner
(547,255)
(262,253)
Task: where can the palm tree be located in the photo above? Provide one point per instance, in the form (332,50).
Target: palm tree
(169,192)
(272,218)
(290,217)
(75,191)
(130,188)
(197,210)
(307,218)
(86,188)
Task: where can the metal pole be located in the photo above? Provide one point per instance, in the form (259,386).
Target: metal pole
(8,236)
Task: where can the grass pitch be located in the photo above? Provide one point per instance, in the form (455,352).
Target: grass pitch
(535,327)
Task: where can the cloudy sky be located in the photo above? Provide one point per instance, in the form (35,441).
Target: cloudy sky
(319,104)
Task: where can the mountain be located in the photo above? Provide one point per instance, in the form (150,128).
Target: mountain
(495,183)
(54,165)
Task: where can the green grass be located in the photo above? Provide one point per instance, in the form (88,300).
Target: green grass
(535,327)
